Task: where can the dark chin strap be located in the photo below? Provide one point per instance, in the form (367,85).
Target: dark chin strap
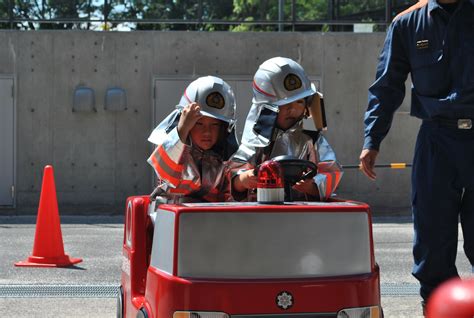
(266,123)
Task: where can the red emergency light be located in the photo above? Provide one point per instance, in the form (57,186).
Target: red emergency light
(270,183)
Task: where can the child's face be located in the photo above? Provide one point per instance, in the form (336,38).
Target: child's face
(290,113)
(205,132)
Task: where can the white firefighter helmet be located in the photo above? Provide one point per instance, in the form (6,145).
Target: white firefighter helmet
(215,97)
(279,81)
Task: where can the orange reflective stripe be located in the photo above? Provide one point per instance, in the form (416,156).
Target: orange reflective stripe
(154,161)
(158,163)
(162,173)
(325,165)
(167,160)
(338,176)
(328,184)
(184,187)
(166,168)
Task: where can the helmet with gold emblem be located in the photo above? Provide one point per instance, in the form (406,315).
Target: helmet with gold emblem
(279,81)
(214,96)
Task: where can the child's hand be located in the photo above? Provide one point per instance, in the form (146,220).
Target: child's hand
(189,117)
(245,180)
(307,186)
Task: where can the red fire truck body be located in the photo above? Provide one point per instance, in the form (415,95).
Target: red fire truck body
(236,260)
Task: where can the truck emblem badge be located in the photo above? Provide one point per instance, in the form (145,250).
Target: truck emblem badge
(284,300)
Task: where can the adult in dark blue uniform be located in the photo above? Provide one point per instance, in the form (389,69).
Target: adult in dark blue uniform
(434,41)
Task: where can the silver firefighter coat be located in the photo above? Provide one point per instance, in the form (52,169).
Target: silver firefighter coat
(262,141)
(186,173)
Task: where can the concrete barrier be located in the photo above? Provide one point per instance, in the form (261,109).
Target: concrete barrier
(100,155)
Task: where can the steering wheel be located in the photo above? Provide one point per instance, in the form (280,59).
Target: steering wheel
(294,170)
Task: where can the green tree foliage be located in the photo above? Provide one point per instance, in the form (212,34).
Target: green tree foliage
(40,10)
(179,11)
(158,10)
(311,10)
(233,15)
(4,14)
(254,11)
(355,7)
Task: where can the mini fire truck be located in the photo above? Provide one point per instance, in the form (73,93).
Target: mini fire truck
(271,258)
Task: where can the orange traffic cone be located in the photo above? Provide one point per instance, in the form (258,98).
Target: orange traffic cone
(48,249)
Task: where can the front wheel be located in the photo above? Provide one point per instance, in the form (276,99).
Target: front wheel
(120,303)
(142,313)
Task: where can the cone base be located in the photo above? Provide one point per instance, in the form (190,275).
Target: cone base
(61,261)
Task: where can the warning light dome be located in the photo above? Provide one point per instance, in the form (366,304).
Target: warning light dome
(270,183)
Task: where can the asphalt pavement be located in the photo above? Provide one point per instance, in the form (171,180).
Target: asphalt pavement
(88,288)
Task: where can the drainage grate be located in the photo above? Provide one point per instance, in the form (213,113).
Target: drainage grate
(58,291)
(110,291)
(399,290)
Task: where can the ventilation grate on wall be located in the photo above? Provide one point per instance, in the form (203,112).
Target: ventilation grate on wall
(83,100)
(115,99)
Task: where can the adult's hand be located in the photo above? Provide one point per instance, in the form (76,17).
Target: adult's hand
(367,162)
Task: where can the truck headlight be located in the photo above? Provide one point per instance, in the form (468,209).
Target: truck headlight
(199,314)
(360,312)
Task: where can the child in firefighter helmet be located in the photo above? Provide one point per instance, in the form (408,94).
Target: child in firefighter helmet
(282,94)
(194,142)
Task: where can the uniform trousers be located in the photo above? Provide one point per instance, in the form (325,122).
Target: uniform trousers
(442,195)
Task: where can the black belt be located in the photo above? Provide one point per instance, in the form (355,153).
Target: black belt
(460,123)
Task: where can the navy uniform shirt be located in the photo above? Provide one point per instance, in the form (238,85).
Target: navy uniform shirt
(437,48)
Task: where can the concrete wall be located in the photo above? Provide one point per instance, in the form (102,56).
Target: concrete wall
(100,157)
